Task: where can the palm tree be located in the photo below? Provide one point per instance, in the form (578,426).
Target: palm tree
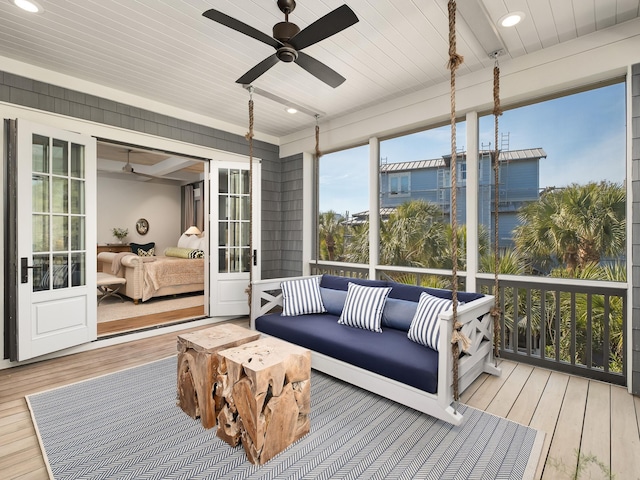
(331,235)
(575,225)
(413,235)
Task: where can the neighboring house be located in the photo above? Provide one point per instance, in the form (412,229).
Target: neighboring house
(430,180)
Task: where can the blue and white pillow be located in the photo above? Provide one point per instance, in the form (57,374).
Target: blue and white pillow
(363,307)
(302,296)
(425,326)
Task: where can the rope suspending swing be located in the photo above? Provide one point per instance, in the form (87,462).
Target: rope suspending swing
(455,61)
(249,137)
(497,111)
(316,172)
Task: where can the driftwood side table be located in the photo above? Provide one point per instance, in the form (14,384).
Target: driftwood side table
(266,387)
(198,366)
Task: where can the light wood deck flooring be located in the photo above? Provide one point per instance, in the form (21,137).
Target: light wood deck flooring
(577,415)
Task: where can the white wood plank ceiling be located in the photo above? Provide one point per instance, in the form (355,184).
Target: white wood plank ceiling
(166,51)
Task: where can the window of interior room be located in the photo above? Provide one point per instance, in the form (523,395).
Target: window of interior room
(561,187)
(344,206)
(415,228)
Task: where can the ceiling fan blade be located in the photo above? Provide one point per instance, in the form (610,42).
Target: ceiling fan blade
(241,27)
(332,23)
(319,70)
(258,70)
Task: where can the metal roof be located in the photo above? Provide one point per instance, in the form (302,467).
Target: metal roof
(505,156)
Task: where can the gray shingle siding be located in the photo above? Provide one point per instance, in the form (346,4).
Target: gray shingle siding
(635,238)
(292,211)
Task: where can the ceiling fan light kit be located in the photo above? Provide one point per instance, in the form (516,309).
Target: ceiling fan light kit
(288,40)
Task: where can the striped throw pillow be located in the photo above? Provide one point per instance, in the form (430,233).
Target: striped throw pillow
(425,326)
(300,297)
(363,307)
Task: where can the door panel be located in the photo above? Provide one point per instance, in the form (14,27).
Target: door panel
(56,224)
(231,223)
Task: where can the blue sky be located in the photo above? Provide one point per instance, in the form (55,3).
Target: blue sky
(583,135)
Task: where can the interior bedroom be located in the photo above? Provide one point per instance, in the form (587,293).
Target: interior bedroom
(150,221)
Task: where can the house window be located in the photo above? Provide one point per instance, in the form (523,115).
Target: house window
(399,184)
(462,174)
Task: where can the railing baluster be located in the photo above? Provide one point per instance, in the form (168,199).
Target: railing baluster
(557,325)
(543,324)
(606,334)
(589,334)
(529,316)
(573,328)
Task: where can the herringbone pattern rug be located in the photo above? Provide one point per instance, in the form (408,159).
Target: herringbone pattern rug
(126,425)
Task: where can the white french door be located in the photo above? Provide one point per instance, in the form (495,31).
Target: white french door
(56,239)
(230,252)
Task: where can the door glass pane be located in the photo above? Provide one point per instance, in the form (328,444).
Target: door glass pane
(234,260)
(78,269)
(60,157)
(234,204)
(245,182)
(246,259)
(60,195)
(77,196)
(40,273)
(235,180)
(77,233)
(245,234)
(40,154)
(246,210)
(59,272)
(60,232)
(222,234)
(40,226)
(223,181)
(40,193)
(222,260)
(77,160)
(222,207)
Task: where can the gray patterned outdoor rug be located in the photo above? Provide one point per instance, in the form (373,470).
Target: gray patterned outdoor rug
(127,425)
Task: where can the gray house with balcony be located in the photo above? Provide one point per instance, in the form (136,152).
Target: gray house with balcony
(430,180)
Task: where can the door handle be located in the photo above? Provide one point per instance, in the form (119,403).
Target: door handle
(255,258)
(24,269)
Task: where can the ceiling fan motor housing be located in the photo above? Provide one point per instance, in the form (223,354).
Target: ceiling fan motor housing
(284,31)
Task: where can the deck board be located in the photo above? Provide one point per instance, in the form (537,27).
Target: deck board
(573,412)
(625,441)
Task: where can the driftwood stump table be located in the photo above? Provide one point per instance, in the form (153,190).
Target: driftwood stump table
(198,368)
(266,389)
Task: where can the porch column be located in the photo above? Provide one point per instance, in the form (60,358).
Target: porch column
(472,200)
(309,209)
(374,205)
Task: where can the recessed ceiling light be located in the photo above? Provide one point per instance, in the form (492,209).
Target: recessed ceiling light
(291,110)
(28,6)
(511,19)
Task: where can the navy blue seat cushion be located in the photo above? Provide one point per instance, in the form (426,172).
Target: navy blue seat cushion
(390,353)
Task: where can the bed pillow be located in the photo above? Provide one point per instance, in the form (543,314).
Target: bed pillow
(183,241)
(144,249)
(302,296)
(425,326)
(183,252)
(363,307)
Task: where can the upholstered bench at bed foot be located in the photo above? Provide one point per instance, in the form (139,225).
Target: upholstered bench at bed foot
(109,285)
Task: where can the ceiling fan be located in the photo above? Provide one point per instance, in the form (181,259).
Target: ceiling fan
(288,40)
(128,168)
